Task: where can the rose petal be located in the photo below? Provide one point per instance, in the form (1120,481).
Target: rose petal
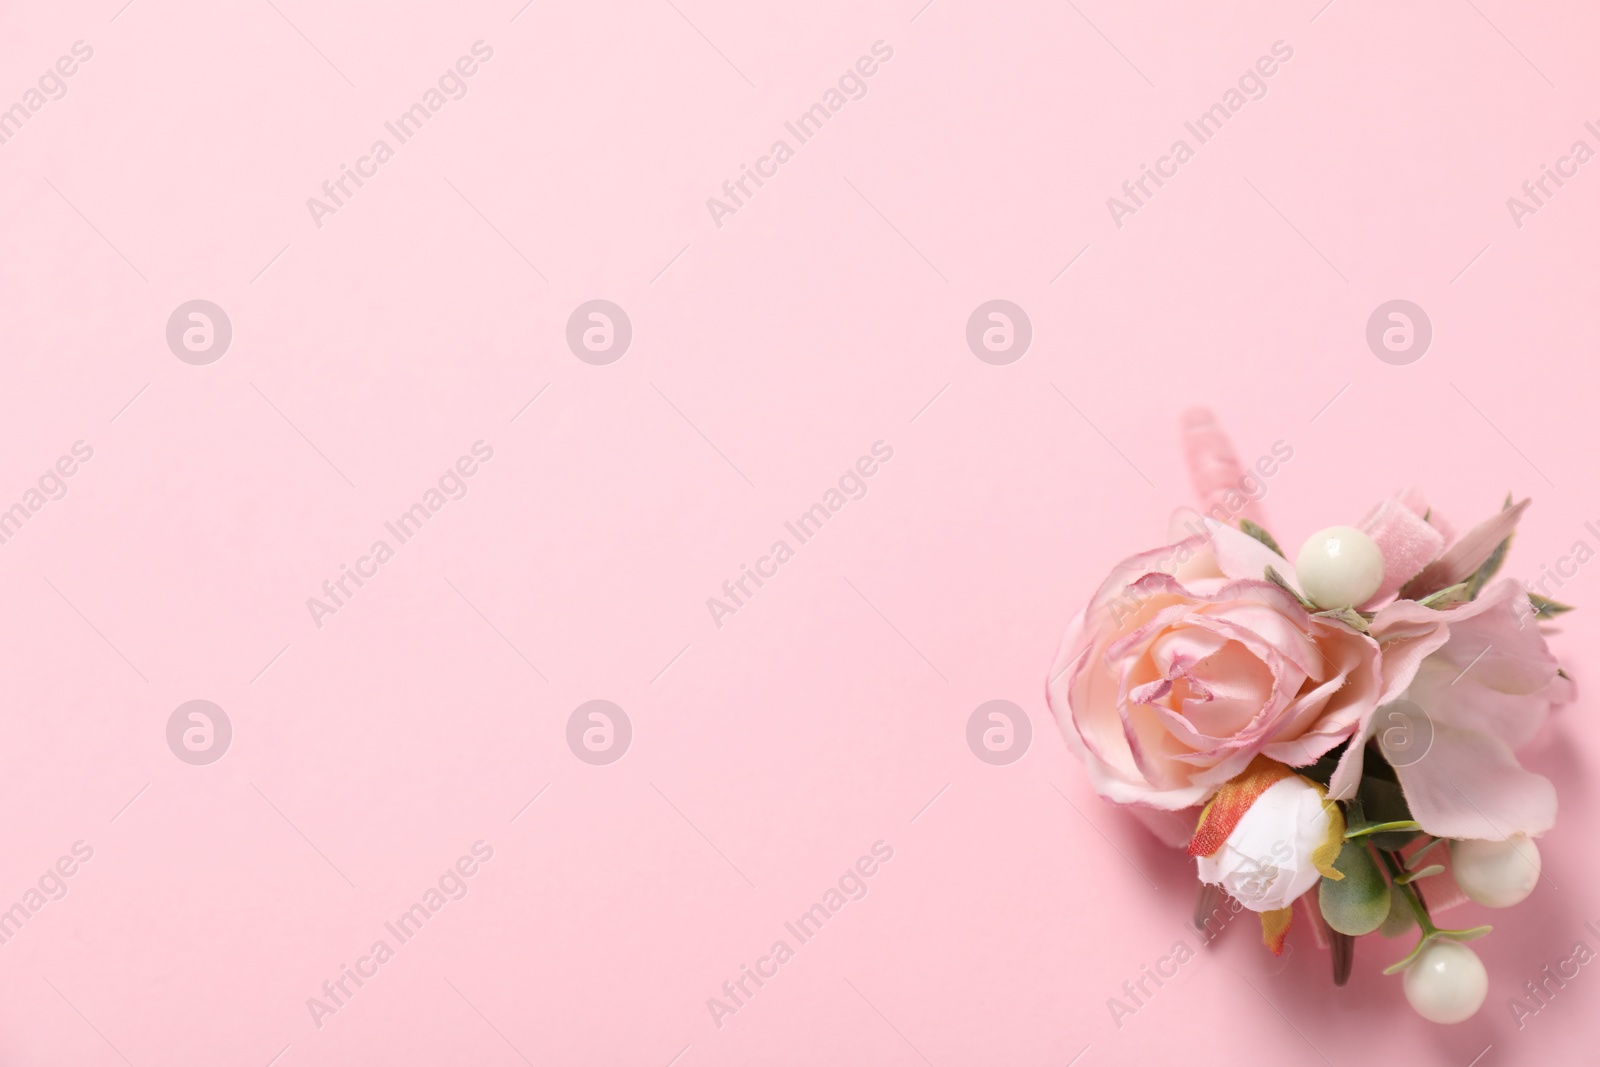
(1339,708)
(1469,785)
(1084,702)
(1346,780)
(1163,560)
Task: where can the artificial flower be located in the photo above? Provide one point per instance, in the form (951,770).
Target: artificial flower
(1188,664)
(1266,838)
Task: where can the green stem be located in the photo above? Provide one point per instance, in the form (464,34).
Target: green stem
(1419,909)
(1381,828)
(1411,860)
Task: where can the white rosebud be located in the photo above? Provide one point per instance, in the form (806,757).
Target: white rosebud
(1339,567)
(1268,859)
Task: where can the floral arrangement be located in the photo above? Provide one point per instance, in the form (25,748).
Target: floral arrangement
(1335,734)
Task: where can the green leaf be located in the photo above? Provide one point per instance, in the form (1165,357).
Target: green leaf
(1426,872)
(1416,857)
(1395,841)
(1278,580)
(1359,902)
(1410,958)
(1260,535)
(1375,767)
(1400,917)
(1383,801)
(1448,597)
(1471,934)
(1545,608)
(1349,616)
(1490,566)
(1322,770)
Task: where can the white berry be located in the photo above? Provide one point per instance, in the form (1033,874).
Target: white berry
(1447,983)
(1496,874)
(1339,567)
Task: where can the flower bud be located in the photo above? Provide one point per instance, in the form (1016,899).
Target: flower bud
(1279,846)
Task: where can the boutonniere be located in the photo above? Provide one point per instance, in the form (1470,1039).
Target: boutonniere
(1335,732)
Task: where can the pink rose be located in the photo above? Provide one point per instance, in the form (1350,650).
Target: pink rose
(1187,664)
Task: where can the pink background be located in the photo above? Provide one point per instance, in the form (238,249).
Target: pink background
(768,354)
